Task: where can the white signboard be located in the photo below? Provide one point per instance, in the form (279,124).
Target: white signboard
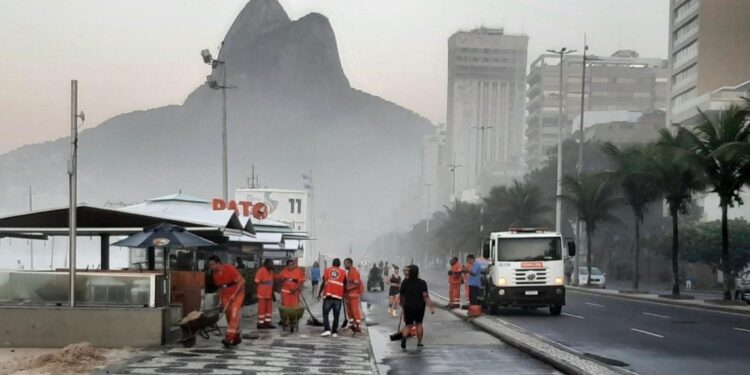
(287,206)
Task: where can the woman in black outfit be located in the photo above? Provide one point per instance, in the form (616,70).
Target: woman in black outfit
(395,284)
(414,299)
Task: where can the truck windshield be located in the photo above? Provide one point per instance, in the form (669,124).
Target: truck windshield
(524,249)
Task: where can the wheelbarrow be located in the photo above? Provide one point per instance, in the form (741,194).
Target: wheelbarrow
(201,323)
(290,317)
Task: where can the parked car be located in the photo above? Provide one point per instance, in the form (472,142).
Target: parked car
(598,277)
(743,288)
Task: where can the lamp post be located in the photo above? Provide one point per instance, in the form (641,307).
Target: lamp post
(429,214)
(481,151)
(558,204)
(208,59)
(73,186)
(452,167)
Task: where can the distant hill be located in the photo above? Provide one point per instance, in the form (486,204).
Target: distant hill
(293,110)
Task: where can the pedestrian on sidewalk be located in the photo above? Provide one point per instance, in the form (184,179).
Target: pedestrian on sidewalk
(332,289)
(414,297)
(474,271)
(354,290)
(315,278)
(455,279)
(264,292)
(395,284)
(232,292)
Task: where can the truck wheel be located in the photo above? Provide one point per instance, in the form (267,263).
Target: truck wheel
(555,310)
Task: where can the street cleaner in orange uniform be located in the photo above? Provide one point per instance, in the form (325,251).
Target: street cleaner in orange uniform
(332,290)
(354,290)
(455,279)
(292,278)
(264,292)
(232,286)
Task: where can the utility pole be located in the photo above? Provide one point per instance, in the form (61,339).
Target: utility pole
(208,59)
(429,214)
(31,241)
(481,150)
(558,204)
(252,182)
(308,178)
(73,186)
(452,167)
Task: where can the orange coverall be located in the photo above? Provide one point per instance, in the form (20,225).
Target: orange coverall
(264,292)
(228,280)
(454,281)
(354,290)
(291,286)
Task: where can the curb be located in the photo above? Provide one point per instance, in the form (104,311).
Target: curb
(741,310)
(556,355)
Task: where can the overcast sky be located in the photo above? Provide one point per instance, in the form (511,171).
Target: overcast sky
(139,54)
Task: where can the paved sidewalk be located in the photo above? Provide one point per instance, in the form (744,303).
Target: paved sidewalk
(263,352)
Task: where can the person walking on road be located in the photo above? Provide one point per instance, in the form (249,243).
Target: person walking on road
(395,284)
(232,293)
(292,278)
(264,292)
(354,290)
(414,297)
(455,279)
(474,270)
(315,278)
(332,290)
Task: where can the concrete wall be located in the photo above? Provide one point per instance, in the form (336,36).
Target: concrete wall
(51,327)
(722,53)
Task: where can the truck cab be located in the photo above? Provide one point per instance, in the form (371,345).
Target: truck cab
(526,269)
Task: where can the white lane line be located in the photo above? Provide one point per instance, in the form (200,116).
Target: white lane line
(594,304)
(573,316)
(647,333)
(657,315)
(742,329)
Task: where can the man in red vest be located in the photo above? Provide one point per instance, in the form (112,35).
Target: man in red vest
(232,293)
(354,290)
(264,292)
(332,291)
(455,279)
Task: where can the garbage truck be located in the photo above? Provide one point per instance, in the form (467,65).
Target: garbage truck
(526,268)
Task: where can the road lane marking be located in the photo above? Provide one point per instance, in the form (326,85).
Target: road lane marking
(657,315)
(594,304)
(573,316)
(742,329)
(647,333)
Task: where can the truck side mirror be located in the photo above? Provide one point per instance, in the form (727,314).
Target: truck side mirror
(486,249)
(571,248)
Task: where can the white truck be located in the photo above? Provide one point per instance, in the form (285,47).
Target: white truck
(526,269)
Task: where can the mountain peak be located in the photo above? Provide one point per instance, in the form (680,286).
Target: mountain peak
(258,17)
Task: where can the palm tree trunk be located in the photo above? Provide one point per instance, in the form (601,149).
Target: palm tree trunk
(725,266)
(636,256)
(589,234)
(675,253)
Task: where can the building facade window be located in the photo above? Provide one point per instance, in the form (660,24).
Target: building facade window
(681,99)
(685,9)
(686,29)
(685,75)
(687,53)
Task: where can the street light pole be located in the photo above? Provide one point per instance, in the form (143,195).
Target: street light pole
(73,186)
(452,168)
(208,59)
(480,162)
(558,204)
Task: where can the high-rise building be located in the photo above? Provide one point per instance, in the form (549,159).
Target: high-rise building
(621,82)
(708,56)
(486,84)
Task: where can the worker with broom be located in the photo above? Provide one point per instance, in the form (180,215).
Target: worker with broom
(264,292)
(292,278)
(332,289)
(455,279)
(354,290)
(232,293)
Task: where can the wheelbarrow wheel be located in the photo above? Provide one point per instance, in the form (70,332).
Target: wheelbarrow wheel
(189,343)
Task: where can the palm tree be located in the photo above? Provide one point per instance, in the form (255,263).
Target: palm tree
(633,173)
(521,204)
(461,229)
(678,181)
(727,172)
(594,199)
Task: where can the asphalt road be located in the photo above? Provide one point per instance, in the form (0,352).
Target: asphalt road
(452,346)
(647,338)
